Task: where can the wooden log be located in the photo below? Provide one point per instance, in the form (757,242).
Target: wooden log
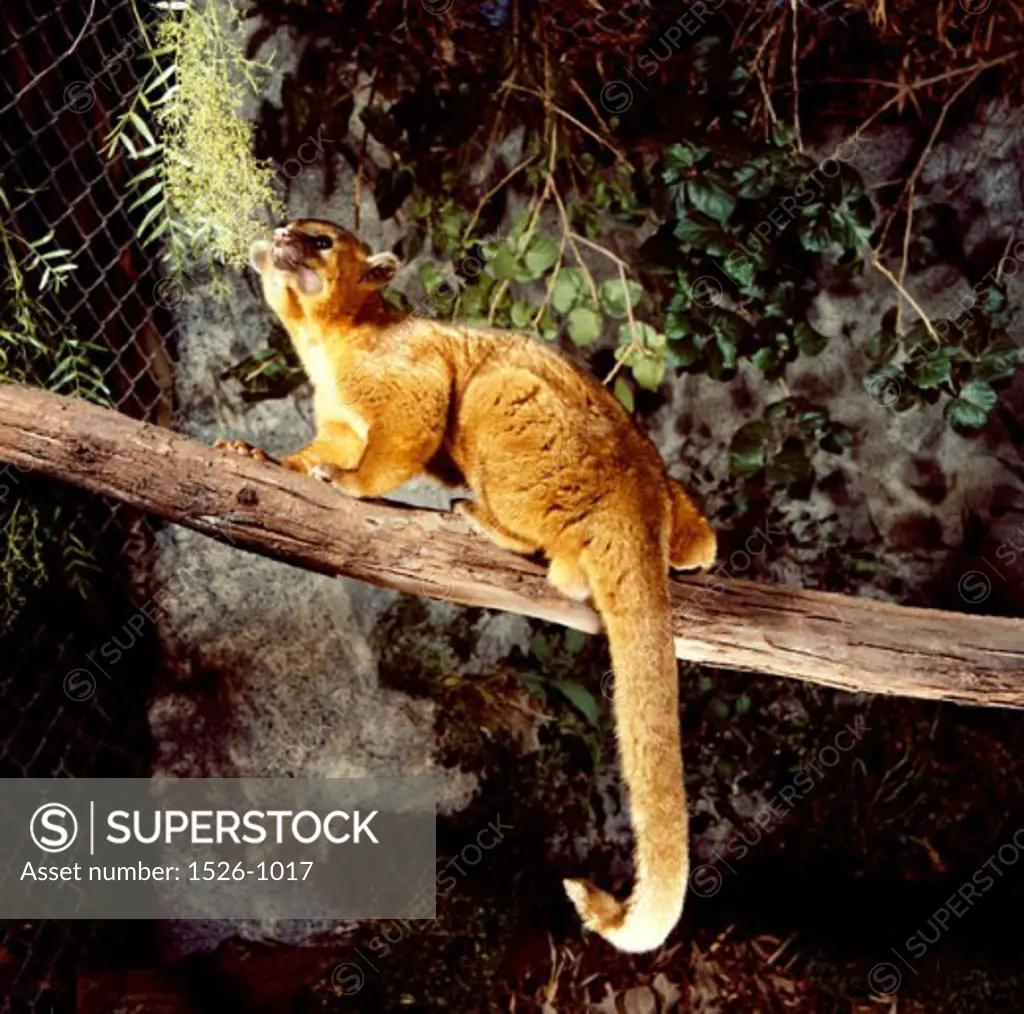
(836,640)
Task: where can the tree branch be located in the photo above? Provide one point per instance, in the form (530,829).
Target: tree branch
(854,644)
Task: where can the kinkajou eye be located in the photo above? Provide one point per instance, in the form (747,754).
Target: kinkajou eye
(322,242)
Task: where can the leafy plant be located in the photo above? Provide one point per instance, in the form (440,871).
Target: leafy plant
(778,448)
(201,190)
(743,229)
(557,686)
(273,372)
(963,363)
(607,194)
(39,536)
(521,281)
(751,222)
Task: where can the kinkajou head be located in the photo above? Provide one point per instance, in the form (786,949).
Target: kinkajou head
(316,266)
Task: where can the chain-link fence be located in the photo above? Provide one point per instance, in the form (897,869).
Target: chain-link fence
(69,69)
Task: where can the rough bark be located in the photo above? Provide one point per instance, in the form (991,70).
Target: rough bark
(855,644)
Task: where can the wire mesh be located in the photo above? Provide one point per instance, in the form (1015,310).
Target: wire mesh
(68,70)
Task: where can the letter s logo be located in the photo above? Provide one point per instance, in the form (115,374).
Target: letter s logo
(48,827)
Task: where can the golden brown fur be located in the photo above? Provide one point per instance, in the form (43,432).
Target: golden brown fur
(555,465)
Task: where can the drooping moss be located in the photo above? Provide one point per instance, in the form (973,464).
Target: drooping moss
(201,188)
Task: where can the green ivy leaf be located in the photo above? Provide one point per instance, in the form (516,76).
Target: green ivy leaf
(995,300)
(979,394)
(998,362)
(851,186)
(573,280)
(541,649)
(754,180)
(679,158)
(883,343)
(504,265)
(809,341)
(966,415)
(714,364)
(541,255)
(429,275)
(646,335)
(575,641)
(746,451)
(678,326)
(710,195)
(547,326)
(929,371)
(741,267)
(614,296)
(783,302)
(854,234)
(520,314)
(624,393)
(474,301)
(518,235)
(648,371)
(728,352)
(730,331)
(739,79)
(766,358)
(564,294)
(730,326)
(701,232)
(684,351)
(815,234)
(584,325)
(581,699)
(680,301)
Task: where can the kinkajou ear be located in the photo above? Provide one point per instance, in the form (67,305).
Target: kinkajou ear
(380,269)
(258,254)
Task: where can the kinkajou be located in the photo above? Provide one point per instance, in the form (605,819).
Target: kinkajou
(555,465)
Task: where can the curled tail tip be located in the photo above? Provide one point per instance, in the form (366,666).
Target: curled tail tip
(692,544)
(614,921)
(694,547)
